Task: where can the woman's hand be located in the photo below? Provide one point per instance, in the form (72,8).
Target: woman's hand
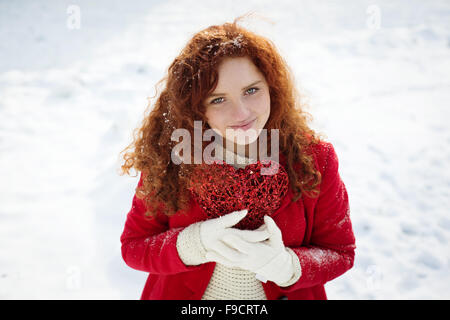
(269,259)
(214,231)
(203,237)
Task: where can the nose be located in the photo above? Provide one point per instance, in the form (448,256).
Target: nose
(240,112)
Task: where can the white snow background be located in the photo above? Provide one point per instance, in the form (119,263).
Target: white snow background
(377,78)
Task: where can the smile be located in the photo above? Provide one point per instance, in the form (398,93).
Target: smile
(245,126)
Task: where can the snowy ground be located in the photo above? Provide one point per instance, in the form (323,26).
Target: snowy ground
(377,74)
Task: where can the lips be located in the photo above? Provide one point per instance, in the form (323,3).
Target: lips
(245,126)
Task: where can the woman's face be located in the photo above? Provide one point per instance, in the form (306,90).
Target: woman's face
(239,107)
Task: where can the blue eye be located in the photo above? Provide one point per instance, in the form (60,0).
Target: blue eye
(212,102)
(256,89)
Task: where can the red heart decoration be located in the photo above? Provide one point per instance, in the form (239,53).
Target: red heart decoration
(219,189)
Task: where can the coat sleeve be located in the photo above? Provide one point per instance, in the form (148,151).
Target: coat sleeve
(148,244)
(332,245)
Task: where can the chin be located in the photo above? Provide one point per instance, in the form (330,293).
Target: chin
(246,137)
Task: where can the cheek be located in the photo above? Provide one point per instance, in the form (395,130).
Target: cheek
(215,119)
(262,105)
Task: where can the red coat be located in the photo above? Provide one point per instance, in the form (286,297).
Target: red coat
(319,230)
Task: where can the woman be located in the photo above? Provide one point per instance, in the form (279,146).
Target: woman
(225,230)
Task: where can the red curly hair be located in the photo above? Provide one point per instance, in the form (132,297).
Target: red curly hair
(191,77)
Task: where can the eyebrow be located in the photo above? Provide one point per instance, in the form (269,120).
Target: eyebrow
(222,94)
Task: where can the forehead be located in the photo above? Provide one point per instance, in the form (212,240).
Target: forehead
(237,71)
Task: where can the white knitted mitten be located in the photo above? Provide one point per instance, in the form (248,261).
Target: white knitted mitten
(269,259)
(198,239)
